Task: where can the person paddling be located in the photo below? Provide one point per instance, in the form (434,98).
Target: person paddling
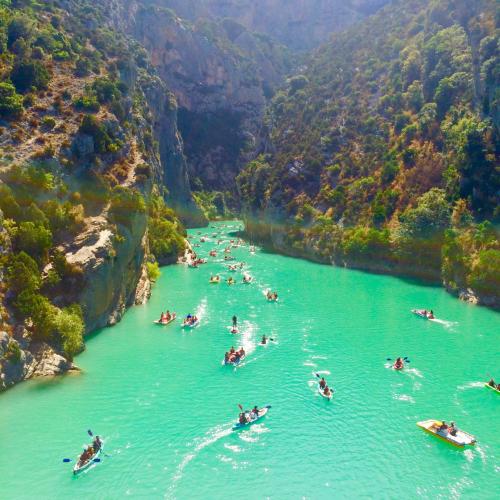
(264,340)
(322,383)
(398,365)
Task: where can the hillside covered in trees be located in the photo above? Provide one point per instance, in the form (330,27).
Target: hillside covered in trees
(384,151)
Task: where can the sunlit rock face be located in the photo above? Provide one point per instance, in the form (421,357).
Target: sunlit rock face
(299,24)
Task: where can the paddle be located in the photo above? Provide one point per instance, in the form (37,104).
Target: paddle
(405,359)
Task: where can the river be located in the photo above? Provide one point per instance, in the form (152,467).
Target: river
(165,406)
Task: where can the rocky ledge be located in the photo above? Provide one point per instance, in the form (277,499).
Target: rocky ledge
(20,361)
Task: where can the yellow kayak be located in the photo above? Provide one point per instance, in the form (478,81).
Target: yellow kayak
(460,439)
(492,388)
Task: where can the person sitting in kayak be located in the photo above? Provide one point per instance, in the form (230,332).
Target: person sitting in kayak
(97,443)
(161,317)
(255,411)
(452,429)
(398,364)
(322,383)
(492,383)
(430,314)
(231,351)
(275,296)
(242,352)
(243,418)
(264,340)
(269,295)
(443,427)
(168,316)
(326,391)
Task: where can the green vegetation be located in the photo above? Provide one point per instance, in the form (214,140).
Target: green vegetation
(165,232)
(11,103)
(387,138)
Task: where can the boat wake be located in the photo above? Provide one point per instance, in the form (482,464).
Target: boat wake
(211,437)
(470,385)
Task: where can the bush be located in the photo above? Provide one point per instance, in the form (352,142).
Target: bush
(485,275)
(125,203)
(165,242)
(22,273)
(48,122)
(87,102)
(11,103)
(69,325)
(102,141)
(33,239)
(153,270)
(13,352)
(30,74)
(105,90)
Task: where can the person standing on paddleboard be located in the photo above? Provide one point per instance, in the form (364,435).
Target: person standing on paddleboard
(235,321)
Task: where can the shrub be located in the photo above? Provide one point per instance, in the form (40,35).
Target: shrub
(22,273)
(165,242)
(11,103)
(105,90)
(30,74)
(13,352)
(91,126)
(87,102)
(153,270)
(485,276)
(33,239)
(69,325)
(48,122)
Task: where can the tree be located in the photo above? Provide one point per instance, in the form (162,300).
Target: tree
(11,103)
(429,218)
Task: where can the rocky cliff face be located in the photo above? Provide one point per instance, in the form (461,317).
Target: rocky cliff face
(221,75)
(299,24)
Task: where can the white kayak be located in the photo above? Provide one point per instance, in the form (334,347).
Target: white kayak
(80,467)
(185,324)
(165,323)
(251,418)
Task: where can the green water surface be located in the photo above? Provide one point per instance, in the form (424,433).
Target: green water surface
(165,406)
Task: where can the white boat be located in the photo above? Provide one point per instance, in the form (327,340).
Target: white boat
(80,467)
(165,323)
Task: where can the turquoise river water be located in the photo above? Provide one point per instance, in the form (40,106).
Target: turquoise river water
(165,406)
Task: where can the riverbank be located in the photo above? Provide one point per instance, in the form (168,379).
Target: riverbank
(282,239)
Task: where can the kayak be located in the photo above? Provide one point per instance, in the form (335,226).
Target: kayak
(215,282)
(492,388)
(421,314)
(460,440)
(253,418)
(190,325)
(165,323)
(323,394)
(234,331)
(81,467)
(229,282)
(234,363)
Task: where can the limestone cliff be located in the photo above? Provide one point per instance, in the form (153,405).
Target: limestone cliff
(299,24)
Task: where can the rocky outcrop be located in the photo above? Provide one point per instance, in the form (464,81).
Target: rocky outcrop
(112,268)
(21,361)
